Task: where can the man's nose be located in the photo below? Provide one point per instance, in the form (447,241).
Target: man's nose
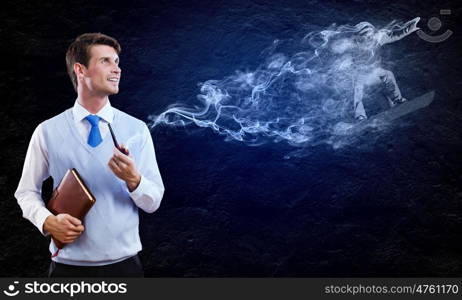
(116,70)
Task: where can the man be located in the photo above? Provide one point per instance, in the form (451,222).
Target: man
(366,67)
(107,241)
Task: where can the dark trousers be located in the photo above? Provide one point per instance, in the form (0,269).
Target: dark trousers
(130,267)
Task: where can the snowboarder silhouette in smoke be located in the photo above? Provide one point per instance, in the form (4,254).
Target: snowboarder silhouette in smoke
(367,70)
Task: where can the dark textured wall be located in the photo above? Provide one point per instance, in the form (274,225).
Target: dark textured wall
(392,207)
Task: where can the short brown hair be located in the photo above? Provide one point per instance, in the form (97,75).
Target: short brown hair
(79,51)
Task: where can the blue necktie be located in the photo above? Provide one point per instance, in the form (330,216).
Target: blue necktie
(94,138)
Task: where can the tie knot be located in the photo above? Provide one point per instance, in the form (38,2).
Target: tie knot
(93,119)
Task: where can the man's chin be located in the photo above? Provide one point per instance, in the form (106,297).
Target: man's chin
(113,91)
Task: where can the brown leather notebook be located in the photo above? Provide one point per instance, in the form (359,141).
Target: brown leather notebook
(72,197)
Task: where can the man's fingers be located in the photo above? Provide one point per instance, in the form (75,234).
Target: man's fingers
(122,157)
(78,229)
(113,165)
(122,164)
(74,232)
(73,235)
(73,221)
(75,225)
(70,228)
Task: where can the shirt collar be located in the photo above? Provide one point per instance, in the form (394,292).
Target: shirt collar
(106,113)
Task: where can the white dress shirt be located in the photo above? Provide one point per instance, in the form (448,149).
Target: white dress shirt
(35,170)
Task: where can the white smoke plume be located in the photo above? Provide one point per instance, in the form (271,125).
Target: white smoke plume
(296,98)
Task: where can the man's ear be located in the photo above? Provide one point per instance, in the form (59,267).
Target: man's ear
(79,70)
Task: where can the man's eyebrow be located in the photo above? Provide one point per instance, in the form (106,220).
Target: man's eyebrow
(107,57)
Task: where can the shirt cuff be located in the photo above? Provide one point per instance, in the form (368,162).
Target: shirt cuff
(140,190)
(42,215)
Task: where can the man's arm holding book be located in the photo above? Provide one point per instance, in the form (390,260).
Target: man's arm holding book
(29,194)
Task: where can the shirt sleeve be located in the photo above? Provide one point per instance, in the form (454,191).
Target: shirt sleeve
(149,192)
(387,36)
(29,191)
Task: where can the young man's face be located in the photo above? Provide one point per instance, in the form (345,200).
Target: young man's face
(103,73)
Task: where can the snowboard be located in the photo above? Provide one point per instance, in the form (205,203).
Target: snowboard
(385,117)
